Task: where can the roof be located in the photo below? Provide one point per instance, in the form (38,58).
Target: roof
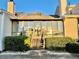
(34,16)
(20,16)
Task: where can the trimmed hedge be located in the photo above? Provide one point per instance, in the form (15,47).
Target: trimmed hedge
(72,47)
(15,43)
(58,43)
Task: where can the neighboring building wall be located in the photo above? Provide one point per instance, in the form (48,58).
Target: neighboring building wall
(70,9)
(1,32)
(71,27)
(0,22)
(5,28)
(7,25)
(76,10)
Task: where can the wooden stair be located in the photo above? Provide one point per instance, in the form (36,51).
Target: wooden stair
(37,42)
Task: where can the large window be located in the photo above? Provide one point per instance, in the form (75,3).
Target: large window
(50,28)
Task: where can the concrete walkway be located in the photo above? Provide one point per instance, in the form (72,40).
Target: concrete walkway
(38,54)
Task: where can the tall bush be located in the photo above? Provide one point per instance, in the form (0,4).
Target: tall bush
(15,43)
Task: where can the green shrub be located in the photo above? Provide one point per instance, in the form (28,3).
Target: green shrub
(15,43)
(58,43)
(72,47)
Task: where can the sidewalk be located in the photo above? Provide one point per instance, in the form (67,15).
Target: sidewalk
(38,54)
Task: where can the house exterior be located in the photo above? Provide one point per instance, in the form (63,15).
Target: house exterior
(63,24)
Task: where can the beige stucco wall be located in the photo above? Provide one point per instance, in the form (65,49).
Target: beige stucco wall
(71,27)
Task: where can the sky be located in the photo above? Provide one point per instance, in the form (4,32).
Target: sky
(28,6)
